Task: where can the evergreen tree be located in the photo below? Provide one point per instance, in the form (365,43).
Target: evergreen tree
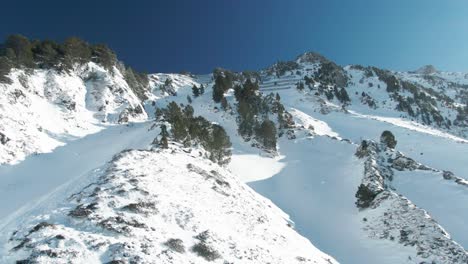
(195,91)
(163,143)
(266,133)
(189,99)
(5,67)
(219,145)
(300,86)
(76,51)
(46,53)
(18,49)
(101,54)
(202,89)
(218,89)
(388,139)
(224,104)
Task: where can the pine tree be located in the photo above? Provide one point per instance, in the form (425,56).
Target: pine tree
(163,143)
(195,91)
(219,145)
(76,51)
(224,104)
(189,99)
(5,67)
(388,139)
(267,134)
(202,89)
(218,89)
(19,50)
(46,53)
(300,86)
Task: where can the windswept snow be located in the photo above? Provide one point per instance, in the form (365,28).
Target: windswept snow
(167,206)
(25,184)
(250,167)
(411,125)
(319,127)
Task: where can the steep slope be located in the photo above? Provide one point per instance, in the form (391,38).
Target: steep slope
(141,209)
(42,109)
(315,175)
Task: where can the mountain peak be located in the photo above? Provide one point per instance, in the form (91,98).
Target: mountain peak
(426,69)
(311,57)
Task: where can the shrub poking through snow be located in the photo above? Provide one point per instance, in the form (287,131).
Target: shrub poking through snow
(364,196)
(175,244)
(388,139)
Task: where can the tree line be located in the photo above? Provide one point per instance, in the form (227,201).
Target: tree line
(19,52)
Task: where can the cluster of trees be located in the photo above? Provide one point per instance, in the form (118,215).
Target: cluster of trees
(281,67)
(325,82)
(193,130)
(197,91)
(330,73)
(254,114)
(224,80)
(19,52)
(421,103)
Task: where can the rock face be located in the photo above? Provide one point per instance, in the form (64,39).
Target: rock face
(164,206)
(389,215)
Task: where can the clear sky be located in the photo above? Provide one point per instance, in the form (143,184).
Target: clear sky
(198,35)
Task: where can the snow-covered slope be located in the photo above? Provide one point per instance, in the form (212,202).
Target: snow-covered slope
(41,109)
(316,175)
(162,206)
(157,204)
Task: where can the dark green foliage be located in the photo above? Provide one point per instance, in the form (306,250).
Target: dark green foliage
(462,116)
(224,80)
(163,143)
(190,130)
(202,89)
(342,95)
(330,73)
(76,51)
(138,82)
(219,145)
(300,86)
(389,79)
(176,245)
(5,67)
(388,139)
(189,99)
(281,67)
(47,54)
(205,251)
(364,196)
(266,133)
(18,49)
(195,91)
(103,55)
(224,104)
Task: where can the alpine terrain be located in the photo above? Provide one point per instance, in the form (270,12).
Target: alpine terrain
(304,161)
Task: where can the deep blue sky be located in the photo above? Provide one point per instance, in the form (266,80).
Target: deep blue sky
(198,35)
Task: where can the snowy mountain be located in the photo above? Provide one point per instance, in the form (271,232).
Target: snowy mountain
(305,134)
